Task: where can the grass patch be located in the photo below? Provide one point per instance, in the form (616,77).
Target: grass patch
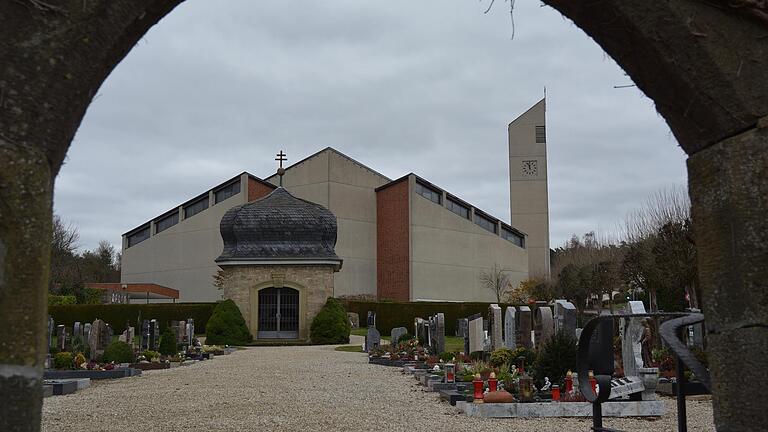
(349,348)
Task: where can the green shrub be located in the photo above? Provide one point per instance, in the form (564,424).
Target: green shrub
(556,357)
(501,356)
(447,356)
(227,326)
(528,355)
(168,342)
(330,325)
(79,359)
(56,300)
(149,355)
(118,352)
(120,314)
(79,345)
(62,360)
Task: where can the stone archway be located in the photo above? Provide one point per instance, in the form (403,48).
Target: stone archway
(702,62)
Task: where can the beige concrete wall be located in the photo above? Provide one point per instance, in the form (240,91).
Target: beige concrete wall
(529,202)
(314,283)
(182,257)
(449,253)
(347,189)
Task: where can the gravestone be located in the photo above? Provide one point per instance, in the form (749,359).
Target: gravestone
(154,334)
(544,326)
(476,336)
(464,326)
(77,330)
(439,333)
(631,331)
(354,319)
(86,332)
(182,332)
(510,337)
(565,317)
(61,338)
(106,337)
(51,329)
(373,339)
(495,326)
(396,334)
(695,332)
(524,323)
(371,321)
(190,330)
(144,335)
(96,338)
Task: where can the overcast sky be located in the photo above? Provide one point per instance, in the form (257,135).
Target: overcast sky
(217,88)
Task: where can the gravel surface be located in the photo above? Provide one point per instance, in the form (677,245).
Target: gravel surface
(296,389)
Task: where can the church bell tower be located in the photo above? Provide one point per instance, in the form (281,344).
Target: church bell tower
(529,201)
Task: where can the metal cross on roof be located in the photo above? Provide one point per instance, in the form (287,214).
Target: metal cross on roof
(280,171)
(281,157)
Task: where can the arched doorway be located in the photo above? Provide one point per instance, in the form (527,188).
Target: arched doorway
(278,313)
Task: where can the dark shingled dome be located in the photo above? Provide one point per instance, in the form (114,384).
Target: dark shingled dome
(278,227)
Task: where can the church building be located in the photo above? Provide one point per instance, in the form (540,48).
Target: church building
(403,239)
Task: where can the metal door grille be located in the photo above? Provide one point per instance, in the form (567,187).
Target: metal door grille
(278,313)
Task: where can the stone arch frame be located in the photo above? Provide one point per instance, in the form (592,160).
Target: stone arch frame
(276,282)
(687,55)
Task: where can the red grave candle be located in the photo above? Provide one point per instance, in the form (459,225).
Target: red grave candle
(478,386)
(492,382)
(556,393)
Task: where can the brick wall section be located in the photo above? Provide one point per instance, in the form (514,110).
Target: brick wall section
(257,190)
(393,243)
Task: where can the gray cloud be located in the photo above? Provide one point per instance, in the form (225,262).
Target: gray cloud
(218,87)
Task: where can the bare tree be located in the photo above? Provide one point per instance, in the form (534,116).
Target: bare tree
(497,280)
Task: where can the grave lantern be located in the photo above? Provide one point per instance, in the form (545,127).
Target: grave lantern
(450,373)
(492,382)
(478,387)
(569,382)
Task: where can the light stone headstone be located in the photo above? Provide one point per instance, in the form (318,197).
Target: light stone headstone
(476,336)
(96,338)
(439,333)
(354,319)
(190,330)
(396,334)
(77,330)
(544,326)
(524,324)
(182,332)
(373,339)
(631,330)
(510,336)
(495,326)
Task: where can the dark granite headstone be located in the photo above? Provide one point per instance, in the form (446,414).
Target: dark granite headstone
(371,321)
(524,323)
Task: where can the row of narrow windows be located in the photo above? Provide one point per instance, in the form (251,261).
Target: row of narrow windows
(487,223)
(164,222)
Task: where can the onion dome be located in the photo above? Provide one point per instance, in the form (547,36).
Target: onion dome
(279,229)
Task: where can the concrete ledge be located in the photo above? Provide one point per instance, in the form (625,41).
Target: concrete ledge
(561,409)
(92,374)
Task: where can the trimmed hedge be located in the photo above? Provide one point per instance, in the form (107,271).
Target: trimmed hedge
(227,326)
(330,325)
(117,315)
(394,314)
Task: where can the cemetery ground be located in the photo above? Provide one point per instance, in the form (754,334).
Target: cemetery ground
(297,388)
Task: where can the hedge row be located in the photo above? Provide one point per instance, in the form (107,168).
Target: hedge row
(117,315)
(391,314)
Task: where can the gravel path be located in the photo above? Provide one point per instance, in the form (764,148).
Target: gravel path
(295,389)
